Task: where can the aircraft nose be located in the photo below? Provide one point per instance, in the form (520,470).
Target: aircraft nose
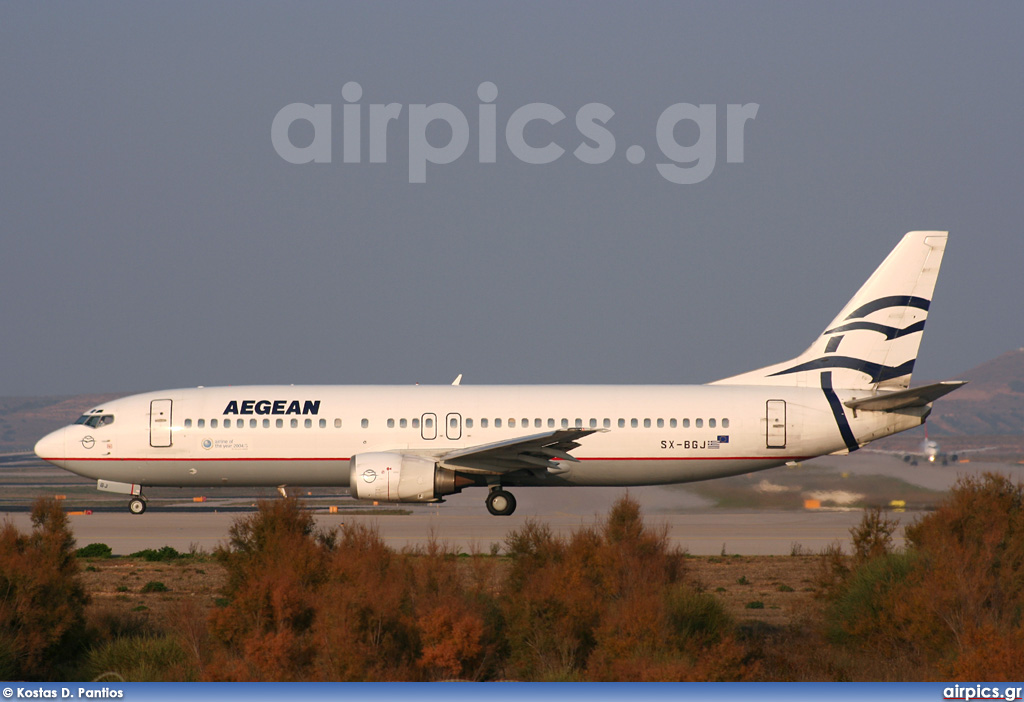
(51,447)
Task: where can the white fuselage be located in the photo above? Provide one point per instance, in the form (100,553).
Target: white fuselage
(306,435)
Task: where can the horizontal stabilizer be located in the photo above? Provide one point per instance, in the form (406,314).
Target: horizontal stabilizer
(914,397)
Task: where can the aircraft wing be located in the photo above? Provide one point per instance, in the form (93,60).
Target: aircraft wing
(893,453)
(537,451)
(971,450)
(914,397)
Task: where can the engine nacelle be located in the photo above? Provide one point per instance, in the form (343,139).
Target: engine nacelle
(397,477)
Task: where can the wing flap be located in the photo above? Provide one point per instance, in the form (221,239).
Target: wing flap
(901,399)
(534,452)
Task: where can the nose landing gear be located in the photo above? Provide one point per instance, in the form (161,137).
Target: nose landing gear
(500,503)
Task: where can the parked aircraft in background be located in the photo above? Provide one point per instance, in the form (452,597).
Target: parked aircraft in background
(421,443)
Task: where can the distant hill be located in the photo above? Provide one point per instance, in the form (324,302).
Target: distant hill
(24,420)
(992,403)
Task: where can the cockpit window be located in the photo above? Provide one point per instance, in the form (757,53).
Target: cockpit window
(95,420)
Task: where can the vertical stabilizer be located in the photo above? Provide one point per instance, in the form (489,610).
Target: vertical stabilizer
(873,342)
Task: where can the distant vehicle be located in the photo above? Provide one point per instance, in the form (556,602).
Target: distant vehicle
(930,452)
(421,443)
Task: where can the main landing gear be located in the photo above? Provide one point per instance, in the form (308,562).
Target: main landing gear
(500,503)
(137,505)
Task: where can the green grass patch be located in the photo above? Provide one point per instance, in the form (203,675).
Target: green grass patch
(94,551)
(165,553)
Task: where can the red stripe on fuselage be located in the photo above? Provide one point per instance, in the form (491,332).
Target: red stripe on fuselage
(318,458)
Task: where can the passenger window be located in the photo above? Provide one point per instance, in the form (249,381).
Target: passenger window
(686,424)
(416,423)
(622,423)
(200,423)
(428,423)
(672,423)
(295,423)
(634,423)
(497,424)
(607,423)
(252,423)
(725,423)
(511,424)
(213,423)
(483,423)
(469,423)
(453,423)
(699,423)
(579,423)
(366,422)
(337,423)
(551,422)
(661,423)
(593,423)
(308,423)
(647,424)
(323,423)
(565,423)
(711,423)
(403,423)
(266,423)
(391,423)
(279,424)
(188,423)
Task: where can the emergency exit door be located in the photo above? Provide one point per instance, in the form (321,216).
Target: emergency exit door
(160,423)
(775,431)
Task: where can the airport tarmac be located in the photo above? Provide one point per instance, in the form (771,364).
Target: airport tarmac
(701,532)
(463,524)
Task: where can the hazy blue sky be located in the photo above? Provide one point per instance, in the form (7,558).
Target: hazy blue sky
(153,237)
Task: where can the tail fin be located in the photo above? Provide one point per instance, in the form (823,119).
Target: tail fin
(873,342)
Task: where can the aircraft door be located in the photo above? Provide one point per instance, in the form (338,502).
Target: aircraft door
(776,424)
(453,427)
(428,426)
(160,423)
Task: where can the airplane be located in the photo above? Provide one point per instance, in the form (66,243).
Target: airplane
(930,452)
(422,443)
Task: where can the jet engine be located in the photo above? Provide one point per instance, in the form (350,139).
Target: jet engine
(397,477)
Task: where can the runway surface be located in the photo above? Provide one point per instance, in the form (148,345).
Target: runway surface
(702,532)
(463,524)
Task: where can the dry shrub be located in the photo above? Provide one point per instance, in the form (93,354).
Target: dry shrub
(952,604)
(873,536)
(972,591)
(362,630)
(42,599)
(609,603)
(275,561)
(308,605)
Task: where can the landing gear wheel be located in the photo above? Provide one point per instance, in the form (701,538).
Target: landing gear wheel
(501,503)
(137,505)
